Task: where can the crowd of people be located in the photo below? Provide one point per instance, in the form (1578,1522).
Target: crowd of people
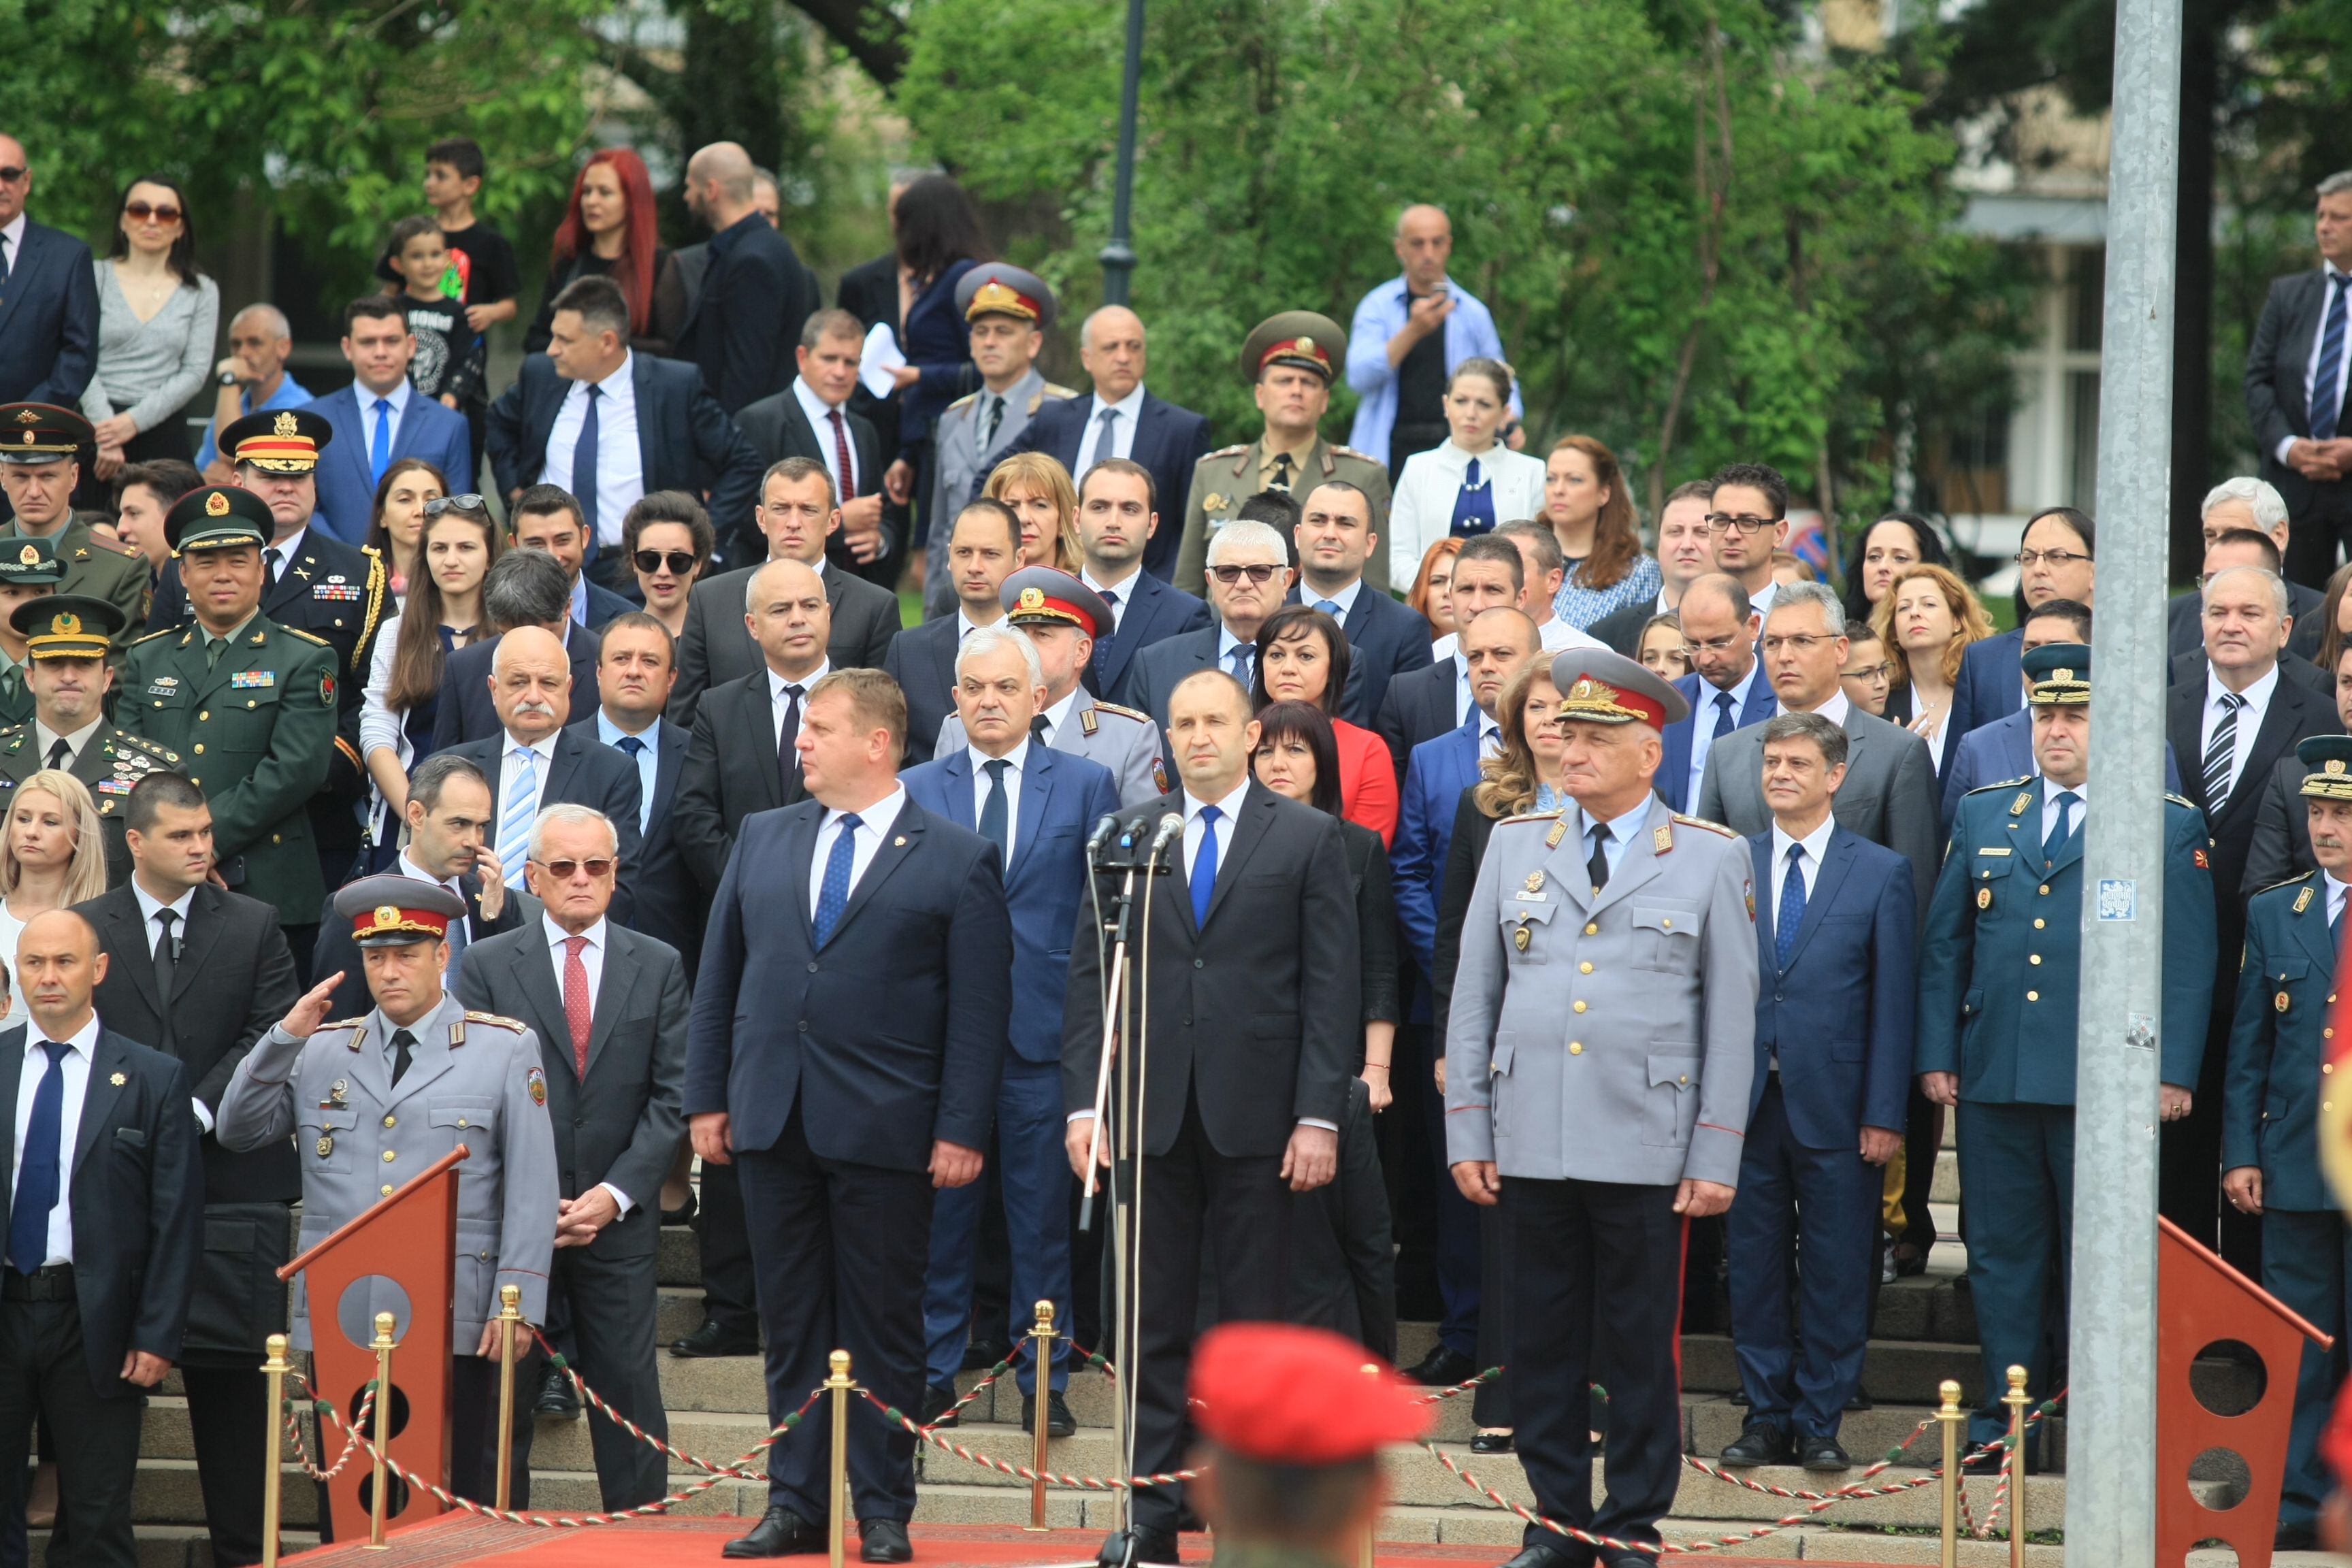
(1595,920)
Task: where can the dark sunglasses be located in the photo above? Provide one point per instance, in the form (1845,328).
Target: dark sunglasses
(679,562)
(440,504)
(139,210)
(1229,575)
(563,870)
(11,172)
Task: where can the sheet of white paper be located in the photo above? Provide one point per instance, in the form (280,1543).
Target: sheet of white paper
(878,359)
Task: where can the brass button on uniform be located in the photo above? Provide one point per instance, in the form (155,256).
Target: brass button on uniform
(391,1122)
(2033,996)
(1576,1047)
(390,1155)
(1586,968)
(386,1188)
(2037,923)
(1684,1078)
(2045,890)
(1579,1005)
(249,702)
(200,747)
(2032,958)
(1665,924)
(1592,929)
(461,1122)
(202,717)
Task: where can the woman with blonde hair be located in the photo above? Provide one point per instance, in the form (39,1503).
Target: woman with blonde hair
(52,855)
(1039,491)
(1926,623)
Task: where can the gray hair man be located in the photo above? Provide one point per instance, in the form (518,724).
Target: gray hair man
(251,376)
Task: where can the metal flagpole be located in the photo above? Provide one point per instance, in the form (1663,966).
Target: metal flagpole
(2111,1405)
(1118,256)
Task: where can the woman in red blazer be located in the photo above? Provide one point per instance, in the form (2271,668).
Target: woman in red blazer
(1302,656)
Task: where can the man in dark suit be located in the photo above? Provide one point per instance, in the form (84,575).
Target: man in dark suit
(1385,638)
(548,517)
(522,588)
(609,1007)
(379,417)
(1248,574)
(1727,688)
(2244,524)
(1121,418)
(202,972)
(1423,705)
(1836,929)
(883,929)
(1684,555)
(2230,730)
(1117,518)
(797,512)
(1253,996)
(48,311)
(2054,561)
(636,664)
(1036,805)
(102,1252)
(654,427)
(812,418)
(2295,390)
(747,315)
(2281,847)
(983,550)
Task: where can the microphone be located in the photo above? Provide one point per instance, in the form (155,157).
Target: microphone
(1132,829)
(1171,827)
(1101,834)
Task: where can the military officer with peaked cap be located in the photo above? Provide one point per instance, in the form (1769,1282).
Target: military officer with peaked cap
(249,706)
(1060,615)
(1291,361)
(370,1101)
(67,678)
(29,569)
(2277,1074)
(40,447)
(1598,1061)
(1999,979)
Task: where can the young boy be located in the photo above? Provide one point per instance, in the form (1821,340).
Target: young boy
(485,275)
(451,356)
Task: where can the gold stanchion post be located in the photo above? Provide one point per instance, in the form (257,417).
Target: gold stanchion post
(1949,1415)
(2017,1400)
(1040,1356)
(837,1517)
(380,1487)
(274,1369)
(509,1320)
(1364,1551)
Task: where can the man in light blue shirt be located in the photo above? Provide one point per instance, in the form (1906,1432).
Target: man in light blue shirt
(253,377)
(1407,336)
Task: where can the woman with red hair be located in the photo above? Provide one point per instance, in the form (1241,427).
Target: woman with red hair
(606,232)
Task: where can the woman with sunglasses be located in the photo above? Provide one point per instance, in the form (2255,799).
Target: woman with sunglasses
(1302,656)
(156,318)
(397,532)
(443,613)
(667,538)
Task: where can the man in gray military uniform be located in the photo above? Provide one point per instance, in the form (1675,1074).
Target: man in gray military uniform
(1598,1059)
(1061,614)
(1008,310)
(371,1102)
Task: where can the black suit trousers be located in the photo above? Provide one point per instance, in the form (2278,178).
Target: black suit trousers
(609,1305)
(2315,533)
(474,1421)
(44,1370)
(226,1409)
(728,1295)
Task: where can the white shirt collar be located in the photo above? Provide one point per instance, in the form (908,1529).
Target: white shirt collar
(1837,708)
(397,397)
(1059,713)
(44,738)
(617,378)
(612,734)
(1816,844)
(1086,575)
(543,748)
(776,683)
(1128,408)
(149,904)
(877,818)
(411,868)
(966,626)
(1018,756)
(289,548)
(1345,598)
(84,1040)
(1229,807)
(557,936)
(2052,789)
(2257,695)
(1622,829)
(818,411)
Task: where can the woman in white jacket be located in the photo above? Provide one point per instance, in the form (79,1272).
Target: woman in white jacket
(1469,482)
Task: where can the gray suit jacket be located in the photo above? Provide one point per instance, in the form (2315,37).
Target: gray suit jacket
(1120,739)
(1650,1083)
(1889,796)
(958,467)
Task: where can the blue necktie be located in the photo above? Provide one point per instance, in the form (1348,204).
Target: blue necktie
(514,822)
(380,449)
(584,471)
(1204,866)
(2326,407)
(1792,908)
(834,896)
(992,824)
(1725,722)
(1240,659)
(1328,607)
(36,1174)
(1106,444)
(2063,830)
(636,749)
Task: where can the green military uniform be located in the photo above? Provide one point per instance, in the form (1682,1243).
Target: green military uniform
(29,562)
(96,566)
(251,716)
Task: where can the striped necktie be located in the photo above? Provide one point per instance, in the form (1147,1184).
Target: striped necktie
(514,822)
(2219,749)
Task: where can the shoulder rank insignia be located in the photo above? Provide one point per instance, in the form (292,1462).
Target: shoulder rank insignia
(1140,717)
(964,402)
(2024,798)
(2181,800)
(2303,901)
(536,1081)
(499,1019)
(151,636)
(306,636)
(1702,822)
(1351,452)
(1559,832)
(109,543)
(1088,723)
(1662,839)
(1223,452)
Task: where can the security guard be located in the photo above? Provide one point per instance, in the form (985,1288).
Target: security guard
(1060,613)
(1598,1061)
(371,1102)
(248,705)
(2000,978)
(39,444)
(28,570)
(2277,1076)
(1290,361)
(66,675)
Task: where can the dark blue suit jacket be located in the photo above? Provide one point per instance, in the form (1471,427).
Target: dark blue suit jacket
(685,440)
(463,711)
(668,904)
(347,493)
(1434,778)
(1385,639)
(889,1036)
(1158,668)
(1168,440)
(2004,750)
(48,320)
(1062,797)
(1990,685)
(939,345)
(921,660)
(742,324)
(1755,704)
(584,771)
(603,604)
(1841,1014)
(1154,613)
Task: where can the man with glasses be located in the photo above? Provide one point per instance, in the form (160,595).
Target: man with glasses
(252,379)
(1748,520)
(1727,688)
(48,297)
(1248,579)
(2053,562)
(1118,514)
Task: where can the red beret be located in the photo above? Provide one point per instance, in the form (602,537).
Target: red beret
(1288,1395)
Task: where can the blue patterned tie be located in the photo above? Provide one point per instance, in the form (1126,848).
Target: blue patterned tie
(36,1174)
(2063,830)
(514,822)
(1792,908)
(1240,659)
(1204,866)
(2326,407)
(584,471)
(993,824)
(834,896)
(380,449)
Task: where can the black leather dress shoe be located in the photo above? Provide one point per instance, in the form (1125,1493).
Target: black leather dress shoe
(710,1340)
(1860,1401)
(1824,1454)
(2296,1538)
(683,1214)
(1992,1462)
(781,1533)
(556,1397)
(982,1354)
(882,1541)
(1491,1442)
(1759,1445)
(939,1400)
(1127,1547)
(1059,1422)
(1545,1554)
(1442,1368)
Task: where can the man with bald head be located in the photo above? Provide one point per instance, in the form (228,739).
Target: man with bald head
(1120,418)
(252,378)
(1407,336)
(50,348)
(535,761)
(746,319)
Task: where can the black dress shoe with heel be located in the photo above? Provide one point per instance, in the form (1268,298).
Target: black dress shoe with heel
(1442,1368)
(1825,1455)
(1059,1422)
(1491,1442)
(556,1397)
(1544,1555)
(882,1541)
(1760,1445)
(1126,1548)
(781,1533)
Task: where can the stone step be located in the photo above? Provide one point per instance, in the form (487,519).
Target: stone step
(164,1491)
(1945,1187)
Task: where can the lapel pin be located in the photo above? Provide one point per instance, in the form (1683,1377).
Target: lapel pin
(117,1080)
(899,842)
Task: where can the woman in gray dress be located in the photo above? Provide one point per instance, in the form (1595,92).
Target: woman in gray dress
(156,320)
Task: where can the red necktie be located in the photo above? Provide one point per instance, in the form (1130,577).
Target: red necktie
(841,456)
(576,1010)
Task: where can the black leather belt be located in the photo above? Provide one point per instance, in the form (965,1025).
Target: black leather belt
(54,1283)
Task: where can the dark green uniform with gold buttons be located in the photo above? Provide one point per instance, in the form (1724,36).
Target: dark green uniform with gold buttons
(27,565)
(111,760)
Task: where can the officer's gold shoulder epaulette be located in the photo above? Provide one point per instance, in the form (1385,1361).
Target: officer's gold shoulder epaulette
(963,402)
(1223,452)
(110,544)
(2181,800)
(1702,822)
(306,636)
(503,1023)
(1101,707)
(2003,783)
(358,1023)
(1053,391)
(151,636)
(11,731)
(1531,817)
(1351,452)
(2283,882)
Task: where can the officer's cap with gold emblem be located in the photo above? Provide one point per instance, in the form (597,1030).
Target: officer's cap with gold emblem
(278,440)
(999,289)
(1305,339)
(27,562)
(67,626)
(2329,758)
(1604,687)
(41,433)
(1043,596)
(2058,674)
(394,911)
(215,517)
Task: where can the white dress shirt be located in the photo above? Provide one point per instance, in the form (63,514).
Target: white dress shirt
(2335,891)
(398,398)
(591,959)
(75,1069)
(2257,699)
(544,755)
(649,761)
(12,241)
(1703,718)
(1058,714)
(619,461)
(290,549)
(1815,845)
(778,701)
(819,413)
(461,931)
(874,825)
(2313,396)
(44,738)
(148,907)
(1019,758)
(1463,700)
(1124,413)
(1114,595)
(2051,790)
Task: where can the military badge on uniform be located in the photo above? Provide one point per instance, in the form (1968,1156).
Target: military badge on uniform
(1032,599)
(1533,892)
(1159,775)
(28,556)
(216,504)
(2303,901)
(1984,898)
(2280,1001)
(326,691)
(1662,839)
(1519,938)
(537,1082)
(1748,892)
(326,1145)
(253,680)
(2201,863)
(1212,501)
(285,426)
(1558,831)
(2024,799)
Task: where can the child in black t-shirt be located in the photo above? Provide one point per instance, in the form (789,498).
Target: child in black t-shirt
(488,277)
(451,356)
